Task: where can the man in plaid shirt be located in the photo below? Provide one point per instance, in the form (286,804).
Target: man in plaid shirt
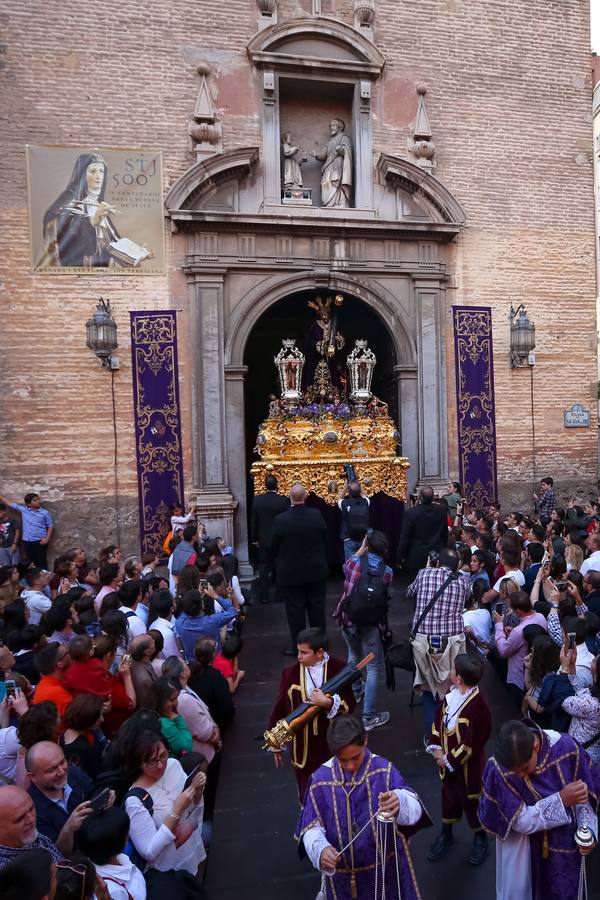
(365,639)
(441,636)
(18,832)
(547,501)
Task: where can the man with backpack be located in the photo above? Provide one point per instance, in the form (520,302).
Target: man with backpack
(354,507)
(362,613)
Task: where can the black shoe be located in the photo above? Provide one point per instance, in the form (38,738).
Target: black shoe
(290,652)
(479,849)
(440,847)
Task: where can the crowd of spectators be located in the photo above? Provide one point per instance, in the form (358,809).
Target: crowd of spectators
(116,689)
(534,605)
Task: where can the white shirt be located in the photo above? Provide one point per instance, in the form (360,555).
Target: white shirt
(167,629)
(480,623)
(313,679)
(142,612)
(514,573)
(135,625)
(37,603)
(172,582)
(124,880)
(151,837)
(592,563)
(9,750)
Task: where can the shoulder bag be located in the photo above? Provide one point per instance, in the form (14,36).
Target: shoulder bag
(401,655)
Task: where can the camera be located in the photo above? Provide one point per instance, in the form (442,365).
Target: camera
(561,586)
(349,473)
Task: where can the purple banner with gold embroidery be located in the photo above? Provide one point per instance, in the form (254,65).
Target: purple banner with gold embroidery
(475,403)
(157,422)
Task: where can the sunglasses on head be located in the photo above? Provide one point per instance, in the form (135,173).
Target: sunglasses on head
(67,882)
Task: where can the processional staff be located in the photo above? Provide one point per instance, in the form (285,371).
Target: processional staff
(284,730)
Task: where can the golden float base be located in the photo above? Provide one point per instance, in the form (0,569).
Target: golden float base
(324,477)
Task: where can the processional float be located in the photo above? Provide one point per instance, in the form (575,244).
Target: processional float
(313,434)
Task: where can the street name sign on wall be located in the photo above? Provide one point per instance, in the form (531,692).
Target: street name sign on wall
(577,416)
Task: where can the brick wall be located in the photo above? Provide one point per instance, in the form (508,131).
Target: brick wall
(509,100)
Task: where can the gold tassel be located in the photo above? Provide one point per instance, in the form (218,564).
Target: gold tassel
(353,891)
(545,848)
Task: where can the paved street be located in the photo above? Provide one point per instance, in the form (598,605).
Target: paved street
(253,853)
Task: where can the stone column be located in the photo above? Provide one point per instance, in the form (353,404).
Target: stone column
(238,474)
(408,415)
(271,139)
(433,443)
(363,146)
(216,504)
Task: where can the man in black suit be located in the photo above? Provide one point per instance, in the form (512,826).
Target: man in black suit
(299,546)
(424,528)
(264,509)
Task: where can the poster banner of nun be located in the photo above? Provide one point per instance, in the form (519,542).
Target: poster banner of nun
(96,210)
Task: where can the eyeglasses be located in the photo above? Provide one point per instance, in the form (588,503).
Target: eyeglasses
(78,870)
(158,760)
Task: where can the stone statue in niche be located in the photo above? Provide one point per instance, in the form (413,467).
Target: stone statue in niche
(336,174)
(292,175)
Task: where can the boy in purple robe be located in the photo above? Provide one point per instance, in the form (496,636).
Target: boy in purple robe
(340,804)
(538,789)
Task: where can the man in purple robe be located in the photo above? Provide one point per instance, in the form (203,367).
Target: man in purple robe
(340,806)
(538,789)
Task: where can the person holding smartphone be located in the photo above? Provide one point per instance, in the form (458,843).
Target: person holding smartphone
(165,816)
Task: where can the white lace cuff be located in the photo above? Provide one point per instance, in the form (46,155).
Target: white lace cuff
(431,748)
(447,764)
(337,702)
(314,843)
(410,807)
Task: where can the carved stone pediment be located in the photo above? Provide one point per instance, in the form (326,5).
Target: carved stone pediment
(316,45)
(422,190)
(213,184)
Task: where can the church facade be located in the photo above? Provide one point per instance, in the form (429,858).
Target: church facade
(431,163)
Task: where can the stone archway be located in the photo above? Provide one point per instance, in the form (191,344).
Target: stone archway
(248,313)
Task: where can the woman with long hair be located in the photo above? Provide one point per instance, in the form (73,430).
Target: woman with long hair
(167,831)
(544,658)
(163,697)
(81,719)
(206,738)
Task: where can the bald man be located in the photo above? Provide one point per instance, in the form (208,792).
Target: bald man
(18,828)
(299,547)
(58,791)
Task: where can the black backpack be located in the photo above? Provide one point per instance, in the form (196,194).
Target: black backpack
(368,601)
(357,517)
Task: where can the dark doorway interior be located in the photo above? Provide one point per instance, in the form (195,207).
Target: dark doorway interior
(292,318)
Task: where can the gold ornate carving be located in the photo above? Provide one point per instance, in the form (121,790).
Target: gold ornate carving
(329,437)
(323,476)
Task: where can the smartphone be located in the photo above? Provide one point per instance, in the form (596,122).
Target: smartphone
(100,800)
(435,642)
(126,658)
(434,558)
(571,640)
(203,584)
(94,629)
(11,686)
(499,608)
(191,776)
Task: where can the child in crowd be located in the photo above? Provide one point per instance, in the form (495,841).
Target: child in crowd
(460,730)
(227,661)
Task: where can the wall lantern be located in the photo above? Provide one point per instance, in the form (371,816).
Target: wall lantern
(522,338)
(101,331)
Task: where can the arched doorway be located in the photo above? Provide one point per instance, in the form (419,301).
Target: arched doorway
(291,317)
